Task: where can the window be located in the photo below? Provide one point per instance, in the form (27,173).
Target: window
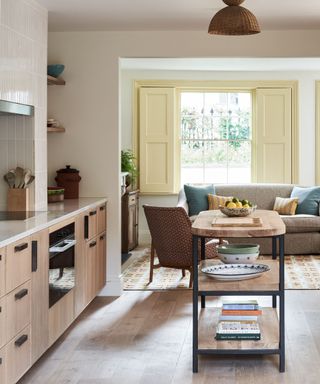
(216,137)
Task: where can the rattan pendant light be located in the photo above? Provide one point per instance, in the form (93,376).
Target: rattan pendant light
(234,20)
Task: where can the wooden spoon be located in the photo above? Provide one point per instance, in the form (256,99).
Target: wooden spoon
(19,172)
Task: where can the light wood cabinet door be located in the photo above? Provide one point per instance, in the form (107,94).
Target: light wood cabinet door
(101,262)
(3,366)
(2,272)
(18,356)
(80,266)
(91,263)
(91,223)
(3,312)
(102,218)
(40,293)
(18,263)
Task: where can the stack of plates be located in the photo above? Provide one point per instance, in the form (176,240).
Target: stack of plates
(52,123)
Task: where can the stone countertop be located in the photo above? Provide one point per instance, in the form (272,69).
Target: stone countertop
(14,230)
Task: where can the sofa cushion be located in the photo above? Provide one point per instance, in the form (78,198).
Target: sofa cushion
(215,201)
(197,197)
(286,205)
(301,223)
(309,199)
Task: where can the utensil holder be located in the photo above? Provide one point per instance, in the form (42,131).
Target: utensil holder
(18,199)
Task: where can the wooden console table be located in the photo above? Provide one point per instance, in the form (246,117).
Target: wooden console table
(270,284)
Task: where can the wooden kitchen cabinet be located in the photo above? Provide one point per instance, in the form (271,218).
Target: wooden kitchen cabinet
(3,379)
(102,218)
(101,261)
(18,263)
(129,221)
(3,314)
(80,266)
(40,294)
(92,266)
(91,223)
(2,272)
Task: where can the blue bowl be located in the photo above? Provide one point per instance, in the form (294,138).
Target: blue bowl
(55,70)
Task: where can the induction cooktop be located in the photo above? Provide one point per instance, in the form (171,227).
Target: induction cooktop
(18,215)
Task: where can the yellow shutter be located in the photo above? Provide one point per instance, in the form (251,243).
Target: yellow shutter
(273,135)
(156,140)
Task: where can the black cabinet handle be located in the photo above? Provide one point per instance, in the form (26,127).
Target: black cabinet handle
(92,213)
(21,294)
(86,227)
(0,360)
(102,208)
(93,244)
(22,339)
(102,237)
(34,256)
(20,247)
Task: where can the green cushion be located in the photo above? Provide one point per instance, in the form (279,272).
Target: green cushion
(197,197)
(309,199)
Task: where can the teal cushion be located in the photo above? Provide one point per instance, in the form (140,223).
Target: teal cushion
(197,197)
(309,199)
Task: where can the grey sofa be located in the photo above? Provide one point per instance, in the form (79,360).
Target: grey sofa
(302,231)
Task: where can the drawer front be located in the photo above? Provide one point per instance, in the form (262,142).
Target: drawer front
(92,217)
(102,217)
(18,309)
(2,272)
(3,311)
(133,199)
(18,263)
(18,356)
(2,366)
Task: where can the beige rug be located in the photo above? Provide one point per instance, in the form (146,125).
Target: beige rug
(301,272)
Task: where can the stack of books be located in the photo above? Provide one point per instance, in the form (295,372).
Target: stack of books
(239,321)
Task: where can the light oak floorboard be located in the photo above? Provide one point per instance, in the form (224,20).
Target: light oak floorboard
(146,337)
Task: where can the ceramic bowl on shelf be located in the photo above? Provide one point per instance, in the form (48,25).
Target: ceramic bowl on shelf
(238,253)
(55,70)
(237,212)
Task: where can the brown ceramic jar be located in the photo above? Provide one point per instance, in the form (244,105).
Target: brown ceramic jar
(68,178)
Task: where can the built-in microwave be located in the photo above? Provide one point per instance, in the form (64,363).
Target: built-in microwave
(61,263)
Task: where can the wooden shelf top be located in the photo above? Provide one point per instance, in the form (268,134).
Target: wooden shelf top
(55,80)
(269,327)
(268,281)
(55,129)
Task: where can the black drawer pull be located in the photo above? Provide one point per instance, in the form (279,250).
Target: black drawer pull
(93,244)
(22,339)
(21,247)
(92,213)
(102,237)
(21,294)
(0,360)
(102,208)
(86,227)
(34,256)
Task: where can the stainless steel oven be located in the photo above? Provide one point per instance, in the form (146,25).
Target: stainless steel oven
(61,263)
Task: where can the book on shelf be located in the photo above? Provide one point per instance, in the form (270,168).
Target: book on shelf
(238,327)
(241,312)
(240,305)
(248,336)
(237,318)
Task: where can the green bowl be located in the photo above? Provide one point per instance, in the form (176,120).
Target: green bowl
(238,249)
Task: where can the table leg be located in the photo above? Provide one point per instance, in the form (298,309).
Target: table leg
(195,305)
(274,247)
(281,306)
(203,257)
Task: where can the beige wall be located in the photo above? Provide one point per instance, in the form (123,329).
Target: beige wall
(23,69)
(89,105)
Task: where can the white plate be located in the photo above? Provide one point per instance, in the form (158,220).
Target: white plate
(233,272)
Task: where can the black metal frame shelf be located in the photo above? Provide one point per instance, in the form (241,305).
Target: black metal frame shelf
(252,292)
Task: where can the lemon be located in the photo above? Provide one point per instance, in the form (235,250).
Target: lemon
(239,204)
(246,206)
(232,205)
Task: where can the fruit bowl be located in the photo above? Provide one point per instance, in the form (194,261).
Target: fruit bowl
(238,253)
(237,212)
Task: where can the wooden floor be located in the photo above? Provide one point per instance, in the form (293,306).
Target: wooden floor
(145,338)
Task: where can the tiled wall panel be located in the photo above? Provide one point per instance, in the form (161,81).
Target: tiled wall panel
(23,61)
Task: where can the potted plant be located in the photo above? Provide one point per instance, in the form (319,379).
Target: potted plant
(128,164)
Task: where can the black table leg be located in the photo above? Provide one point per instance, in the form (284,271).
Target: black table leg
(195,305)
(203,257)
(274,257)
(281,306)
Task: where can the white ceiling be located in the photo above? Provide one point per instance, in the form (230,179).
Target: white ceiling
(117,15)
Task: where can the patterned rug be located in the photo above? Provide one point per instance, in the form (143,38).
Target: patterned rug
(301,272)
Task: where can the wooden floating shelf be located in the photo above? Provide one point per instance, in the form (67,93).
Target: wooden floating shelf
(55,129)
(55,80)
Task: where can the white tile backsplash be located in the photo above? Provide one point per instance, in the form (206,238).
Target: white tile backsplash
(23,61)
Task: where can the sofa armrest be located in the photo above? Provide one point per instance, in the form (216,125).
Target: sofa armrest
(182,201)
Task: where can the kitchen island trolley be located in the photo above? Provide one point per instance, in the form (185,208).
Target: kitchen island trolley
(270,284)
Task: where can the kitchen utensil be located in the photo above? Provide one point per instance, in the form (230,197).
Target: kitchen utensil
(234,272)
(26,177)
(31,178)
(10,179)
(19,174)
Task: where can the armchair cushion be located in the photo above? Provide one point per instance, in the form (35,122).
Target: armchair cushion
(197,197)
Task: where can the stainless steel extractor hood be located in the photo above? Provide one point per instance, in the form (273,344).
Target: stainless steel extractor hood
(10,108)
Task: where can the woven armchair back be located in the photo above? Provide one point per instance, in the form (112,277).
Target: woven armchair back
(170,230)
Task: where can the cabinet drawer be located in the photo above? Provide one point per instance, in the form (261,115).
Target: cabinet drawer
(2,366)
(18,304)
(102,217)
(91,223)
(3,311)
(2,272)
(18,356)
(18,263)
